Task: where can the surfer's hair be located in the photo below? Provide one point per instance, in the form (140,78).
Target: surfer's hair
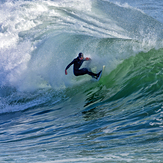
(80,55)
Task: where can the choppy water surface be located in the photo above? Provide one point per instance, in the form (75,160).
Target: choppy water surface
(46,116)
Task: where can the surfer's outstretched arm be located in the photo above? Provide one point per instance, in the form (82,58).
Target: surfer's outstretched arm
(68,67)
(87,59)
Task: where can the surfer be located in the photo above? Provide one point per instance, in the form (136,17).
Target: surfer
(77,64)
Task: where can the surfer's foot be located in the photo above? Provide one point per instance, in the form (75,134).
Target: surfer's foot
(98,74)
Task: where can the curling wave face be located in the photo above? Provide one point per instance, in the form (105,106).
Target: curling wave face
(40,38)
(46,115)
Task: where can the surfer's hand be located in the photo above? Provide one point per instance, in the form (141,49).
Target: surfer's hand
(87,59)
(65,72)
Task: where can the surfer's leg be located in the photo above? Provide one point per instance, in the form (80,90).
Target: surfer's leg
(95,75)
(84,71)
(92,74)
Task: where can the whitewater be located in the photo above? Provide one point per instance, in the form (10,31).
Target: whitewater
(47,116)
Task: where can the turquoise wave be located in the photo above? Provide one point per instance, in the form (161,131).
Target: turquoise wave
(47,116)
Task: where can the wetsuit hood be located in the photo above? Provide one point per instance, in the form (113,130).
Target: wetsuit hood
(80,55)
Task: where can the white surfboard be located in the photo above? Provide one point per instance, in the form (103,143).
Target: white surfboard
(103,67)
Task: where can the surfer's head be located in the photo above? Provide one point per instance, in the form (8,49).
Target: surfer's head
(81,56)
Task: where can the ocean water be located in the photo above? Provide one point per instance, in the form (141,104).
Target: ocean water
(47,116)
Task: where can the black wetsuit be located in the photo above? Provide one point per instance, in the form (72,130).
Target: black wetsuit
(77,71)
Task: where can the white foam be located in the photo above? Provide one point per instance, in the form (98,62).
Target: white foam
(126,5)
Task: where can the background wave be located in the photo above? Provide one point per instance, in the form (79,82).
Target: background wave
(47,116)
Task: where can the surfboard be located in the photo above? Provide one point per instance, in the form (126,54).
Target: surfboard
(103,67)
